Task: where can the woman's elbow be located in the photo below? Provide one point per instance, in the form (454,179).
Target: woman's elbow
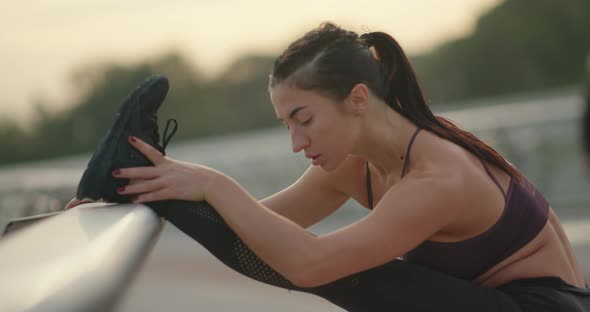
(303,281)
(307,278)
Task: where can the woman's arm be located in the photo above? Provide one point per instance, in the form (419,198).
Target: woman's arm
(280,242)
(313,197)
(409,213)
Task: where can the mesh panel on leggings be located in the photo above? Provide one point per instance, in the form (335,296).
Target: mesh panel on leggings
(205,212)
(200,221)
(213,233)
(253,267)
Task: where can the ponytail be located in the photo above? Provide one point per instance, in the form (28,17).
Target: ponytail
(333,60)
(404,94)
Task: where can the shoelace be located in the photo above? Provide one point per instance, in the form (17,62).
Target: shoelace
(166,137)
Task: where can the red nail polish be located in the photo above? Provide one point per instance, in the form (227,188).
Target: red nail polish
(120,189)
(116,171)
(132,139)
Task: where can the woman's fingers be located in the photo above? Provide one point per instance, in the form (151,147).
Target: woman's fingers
(72,203)
(161,194)
(141,187)
(140,173)
(75,202)
(149,151)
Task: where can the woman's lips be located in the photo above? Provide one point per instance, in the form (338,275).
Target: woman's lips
(315,159)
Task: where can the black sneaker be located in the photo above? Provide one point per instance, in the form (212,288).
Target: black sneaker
(138,117)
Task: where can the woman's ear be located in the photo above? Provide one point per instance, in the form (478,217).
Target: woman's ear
(359,98)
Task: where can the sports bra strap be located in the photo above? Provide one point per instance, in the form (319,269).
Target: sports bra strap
(369,189)
(489,171)
(406,160)
(407,156)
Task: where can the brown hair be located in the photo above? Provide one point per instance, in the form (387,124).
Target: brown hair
(332,61)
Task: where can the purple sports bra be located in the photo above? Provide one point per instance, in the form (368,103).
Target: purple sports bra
(525,214)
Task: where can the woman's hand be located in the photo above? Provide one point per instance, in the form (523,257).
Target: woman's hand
(167,179)
(75,202)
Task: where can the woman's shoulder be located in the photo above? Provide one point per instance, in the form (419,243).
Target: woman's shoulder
(443,163)
(449,158)
(437,157)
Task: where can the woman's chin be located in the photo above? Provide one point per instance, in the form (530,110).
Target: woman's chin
(329,166)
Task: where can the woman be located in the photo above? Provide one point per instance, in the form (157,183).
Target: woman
(473,232)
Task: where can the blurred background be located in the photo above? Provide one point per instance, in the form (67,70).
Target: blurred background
(510,71)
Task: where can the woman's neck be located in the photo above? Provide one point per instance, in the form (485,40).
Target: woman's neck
(384,141)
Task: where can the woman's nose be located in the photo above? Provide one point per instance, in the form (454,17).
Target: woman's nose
(298,142)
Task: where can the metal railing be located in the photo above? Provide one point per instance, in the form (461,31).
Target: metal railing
(79,260)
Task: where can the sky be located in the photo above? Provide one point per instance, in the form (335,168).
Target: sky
(44,41)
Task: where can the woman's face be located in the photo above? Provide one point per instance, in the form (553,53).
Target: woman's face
(320,126)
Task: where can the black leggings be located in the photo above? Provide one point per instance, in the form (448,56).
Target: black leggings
(396,286)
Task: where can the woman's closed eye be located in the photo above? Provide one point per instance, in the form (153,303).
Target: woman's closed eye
(303,123)
(307,122)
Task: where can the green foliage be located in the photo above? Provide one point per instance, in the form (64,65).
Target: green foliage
(236,101)
(521,45)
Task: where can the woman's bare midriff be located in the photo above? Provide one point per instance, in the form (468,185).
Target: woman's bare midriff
(548,254)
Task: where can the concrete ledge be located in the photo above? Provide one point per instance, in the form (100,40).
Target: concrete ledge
(79,260)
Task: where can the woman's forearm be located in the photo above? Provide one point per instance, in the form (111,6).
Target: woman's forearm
(281,243)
